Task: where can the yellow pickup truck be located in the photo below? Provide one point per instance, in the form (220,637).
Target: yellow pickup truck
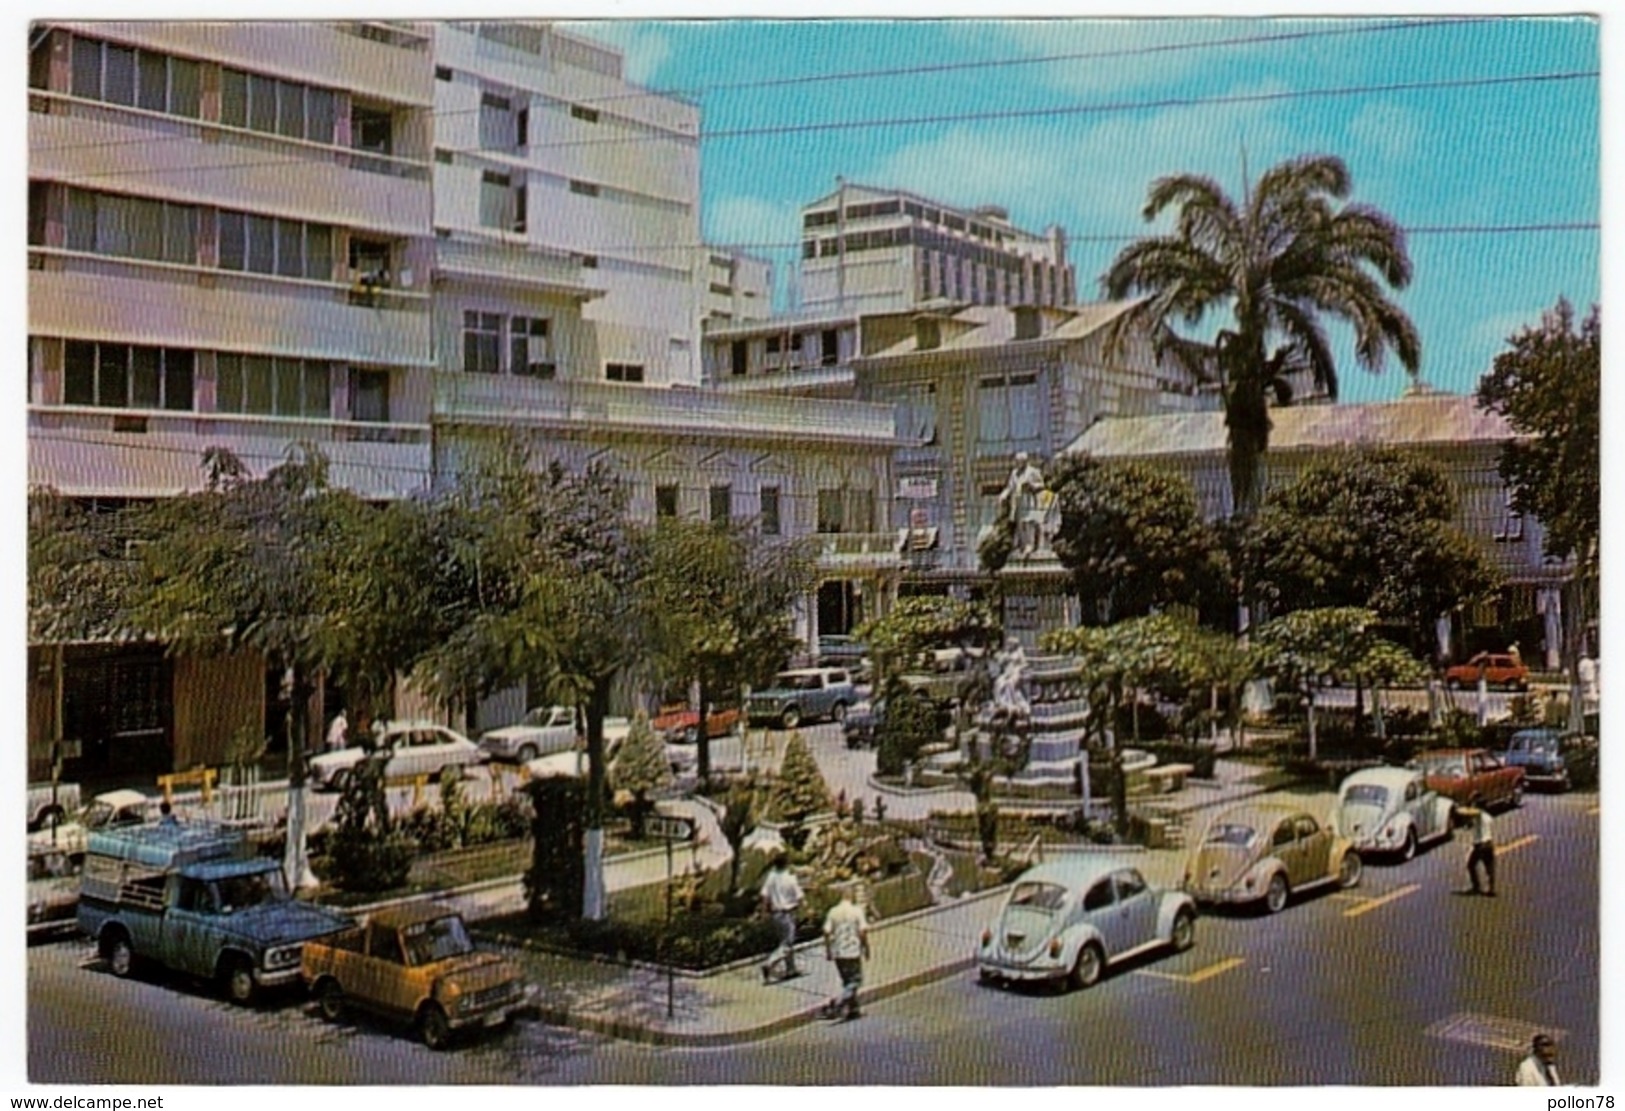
(414,964)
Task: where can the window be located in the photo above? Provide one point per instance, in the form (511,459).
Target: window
(1129,884)
(482,342)
(1283,833)
(273,387)
(740,356)
(369,395)
(118,376)
(267,245)
(287,108)
(917,412)
(134,78)
(582,112)
(830,517)
(1098,897)
(502,127)
(1512,530)
(1008,408)
(844,510)
(131,227)
(623,372)
(529,352)
(584,188)
(721,504)
(665,501)
(770,511)
(502,203)
(442,73)
(830,340)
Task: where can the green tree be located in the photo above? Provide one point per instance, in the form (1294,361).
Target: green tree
(718,599)
(900,639)
(1288,256)
(908,723)
(640,769)
(539,573)
(1370,529)
(799,790)
(1304,648)
(1133,540)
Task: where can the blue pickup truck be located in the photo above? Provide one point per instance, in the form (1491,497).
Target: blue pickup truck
(193,899)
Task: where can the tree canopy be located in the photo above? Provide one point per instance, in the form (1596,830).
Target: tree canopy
(1133,539)
(1286,257)
(1549,387)
(919,623)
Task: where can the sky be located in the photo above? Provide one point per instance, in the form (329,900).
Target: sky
(1514,153)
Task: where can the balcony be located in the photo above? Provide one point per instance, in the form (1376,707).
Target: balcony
(610,407)
(89,452)
(515,266)
(859,551)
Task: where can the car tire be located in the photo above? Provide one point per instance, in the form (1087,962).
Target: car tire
(837,713)
(237,981)
(527,753)
(51,816)
(790,718)
(1349,869)
(120,954)
(1517,796)
(1086,970)
(330,1000)
(1277,894)
(1183,935)
(1407,851)
(433,1027)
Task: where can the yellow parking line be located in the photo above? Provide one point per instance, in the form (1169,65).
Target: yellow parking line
(1526,839)
(1347,897)
(1382,900)
(1212,970)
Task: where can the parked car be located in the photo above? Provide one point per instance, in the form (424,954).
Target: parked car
(1390,811)
(1472,777)
(193,898)
(1070,919)
(50,803)
(55,850)
(682,758)
(1264,852)
(803,694)
(416,964)
(542,731)
(679,723)
(1498,671)
(415,748)
(1549,757)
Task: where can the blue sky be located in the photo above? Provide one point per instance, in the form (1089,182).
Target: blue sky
(1511,154)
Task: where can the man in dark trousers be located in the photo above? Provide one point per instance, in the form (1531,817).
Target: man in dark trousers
(1481,832)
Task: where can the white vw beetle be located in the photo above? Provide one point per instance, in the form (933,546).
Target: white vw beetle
(1071,918)
(1390,810)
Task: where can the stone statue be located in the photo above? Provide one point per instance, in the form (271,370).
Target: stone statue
(1033,508)
(1009,696)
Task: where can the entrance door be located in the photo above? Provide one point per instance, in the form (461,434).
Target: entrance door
(838,608)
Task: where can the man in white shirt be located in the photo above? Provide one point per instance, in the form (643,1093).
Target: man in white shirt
(1482,831)
(1539,1069)
(337,732)
(781,895)
(846,942)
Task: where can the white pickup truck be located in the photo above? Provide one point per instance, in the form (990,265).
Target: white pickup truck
(544,731)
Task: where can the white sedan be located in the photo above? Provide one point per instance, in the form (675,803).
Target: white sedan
(1391,811)
(415,748)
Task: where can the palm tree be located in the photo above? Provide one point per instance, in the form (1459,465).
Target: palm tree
(1288,256)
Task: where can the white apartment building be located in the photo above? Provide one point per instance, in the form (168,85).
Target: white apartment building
(736,286)
(868,249)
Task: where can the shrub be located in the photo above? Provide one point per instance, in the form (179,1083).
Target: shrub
(799,790)
(908,725)
(364,850)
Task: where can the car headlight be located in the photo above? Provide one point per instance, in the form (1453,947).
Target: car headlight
(283,956)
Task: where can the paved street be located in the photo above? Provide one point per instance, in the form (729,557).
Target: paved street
(1397,982)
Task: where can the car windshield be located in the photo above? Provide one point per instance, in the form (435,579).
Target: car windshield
(1368,793)
(1038,896)
(1534,742)
(1229,833)
(791,682)
(436,940)
(239,892)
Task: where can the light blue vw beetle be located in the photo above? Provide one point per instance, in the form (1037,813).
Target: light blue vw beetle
(1390,811)
(1069,919)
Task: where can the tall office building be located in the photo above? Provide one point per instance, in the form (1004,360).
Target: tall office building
(871,250)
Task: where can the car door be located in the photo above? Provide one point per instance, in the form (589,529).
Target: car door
(1314,847)
(192,924)
(381,972)
(1099,904)
(1284,846)
(444,751)
(1136,908)
(1498,777)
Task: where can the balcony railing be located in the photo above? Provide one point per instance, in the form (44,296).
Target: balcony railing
(855,550)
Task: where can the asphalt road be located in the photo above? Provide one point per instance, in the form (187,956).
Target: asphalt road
(1399,982)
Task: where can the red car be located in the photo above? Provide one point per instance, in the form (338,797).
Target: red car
(1472,777)
(681,724)
(1498,670)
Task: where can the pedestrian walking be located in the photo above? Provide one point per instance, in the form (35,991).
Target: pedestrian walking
(337,732)
(1539,1069)
(781,896)
(1481,830)
(846,942)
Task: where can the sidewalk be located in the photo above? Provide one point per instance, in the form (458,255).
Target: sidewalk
(732,1005)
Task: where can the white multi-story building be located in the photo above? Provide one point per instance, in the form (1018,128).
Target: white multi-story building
(867,249)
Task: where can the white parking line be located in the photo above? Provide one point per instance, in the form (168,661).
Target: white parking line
(1382,900)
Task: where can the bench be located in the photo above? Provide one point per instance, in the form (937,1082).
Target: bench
(1165,779)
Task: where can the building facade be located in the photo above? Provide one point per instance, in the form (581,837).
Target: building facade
(1449,429)
(867,249)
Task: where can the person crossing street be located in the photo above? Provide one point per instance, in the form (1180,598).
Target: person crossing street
(1481,829)
(846,942)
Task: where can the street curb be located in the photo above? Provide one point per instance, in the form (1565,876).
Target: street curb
(624,1030)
